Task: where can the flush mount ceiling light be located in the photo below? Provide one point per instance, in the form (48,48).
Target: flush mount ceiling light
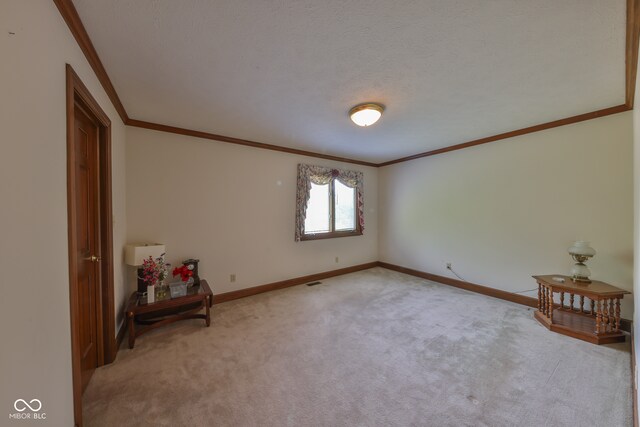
(366,114)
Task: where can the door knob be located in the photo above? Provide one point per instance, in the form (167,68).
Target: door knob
(93,258)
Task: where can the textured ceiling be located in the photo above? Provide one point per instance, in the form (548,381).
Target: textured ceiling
(286,72)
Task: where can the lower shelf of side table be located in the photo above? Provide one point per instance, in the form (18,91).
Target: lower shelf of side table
(578,325)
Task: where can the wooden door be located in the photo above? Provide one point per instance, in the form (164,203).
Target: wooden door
(87,243)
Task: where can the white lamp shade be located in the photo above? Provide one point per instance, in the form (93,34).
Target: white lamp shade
(136,253)
(582,248)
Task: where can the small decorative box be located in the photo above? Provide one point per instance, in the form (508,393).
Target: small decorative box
(178,289)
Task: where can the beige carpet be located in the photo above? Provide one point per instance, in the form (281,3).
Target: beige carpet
(374,348)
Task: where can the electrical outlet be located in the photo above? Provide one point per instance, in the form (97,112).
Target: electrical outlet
(337,260)
(232,278)
(448,266)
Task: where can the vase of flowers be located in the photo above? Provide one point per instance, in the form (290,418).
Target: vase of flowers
(154,271)
(185,273)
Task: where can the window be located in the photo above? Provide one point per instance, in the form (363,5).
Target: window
(323,216)
(329,203)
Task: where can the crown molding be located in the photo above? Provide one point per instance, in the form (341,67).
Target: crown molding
(245,142)
(631,51)
(537,128)
(71,17)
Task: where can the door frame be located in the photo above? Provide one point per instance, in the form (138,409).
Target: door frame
(78,96)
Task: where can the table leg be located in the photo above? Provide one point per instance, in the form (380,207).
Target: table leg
(612,316)
(132,332)
(206,303)
(550,305)
(598,317)
(539,297)
(581,303)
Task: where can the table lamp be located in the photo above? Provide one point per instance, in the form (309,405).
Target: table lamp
(136,253)
(580,251)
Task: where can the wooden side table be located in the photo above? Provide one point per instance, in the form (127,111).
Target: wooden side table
(596,320)
(167,310)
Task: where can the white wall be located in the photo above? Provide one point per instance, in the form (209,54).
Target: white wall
(233,207)
(35,355)
(636,227)
(507,210)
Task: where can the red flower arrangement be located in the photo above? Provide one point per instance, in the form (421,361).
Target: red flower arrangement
(184,273)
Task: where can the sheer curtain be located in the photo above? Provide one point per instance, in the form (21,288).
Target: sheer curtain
(321,175)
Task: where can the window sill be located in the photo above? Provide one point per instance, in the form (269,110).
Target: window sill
(332,235)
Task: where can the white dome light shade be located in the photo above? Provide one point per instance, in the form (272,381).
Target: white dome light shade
(366,114)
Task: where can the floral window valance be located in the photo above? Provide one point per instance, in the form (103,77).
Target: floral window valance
(321,175)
